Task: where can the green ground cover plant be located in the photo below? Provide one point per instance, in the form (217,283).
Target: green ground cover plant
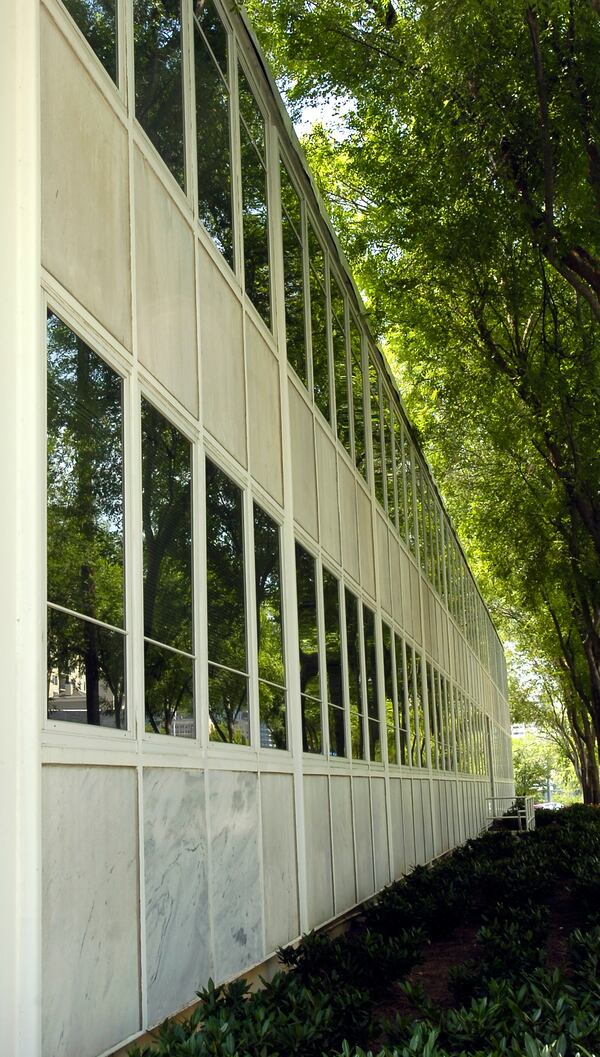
(508,1001)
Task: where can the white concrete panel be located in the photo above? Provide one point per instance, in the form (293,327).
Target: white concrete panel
(427,820)
(418,818)
(90,966)
(329,517)
(406,615)
(85,195)
(279,859)
(304,478)
(235,887)
(165,288)
(435,795)
(380,833)
(348,489)
(319,866)
(365,867)
(222,359)
(343,843)
(384,542)
(178,955)
(395,564)
(264,413)
(444,805)
(396,811)
(409,827)
(415,603)
(365,541)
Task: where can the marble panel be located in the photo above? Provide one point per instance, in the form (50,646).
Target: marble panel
(304,477)
(444,798)
(397,821)
(365,541)
(280,871)
(90,928)
(415,599)
(85,187)
(264,410)
(365,867)
(409,824)
(347,486)
(428,821)
(380,833)
(329,514)
(222,359)
(453,835)
(436,822)
(395,566)
(406,614)
(343,843)
(235,879)
(165,285)
(178,947)
(319,865)
(418,819)
(384,541)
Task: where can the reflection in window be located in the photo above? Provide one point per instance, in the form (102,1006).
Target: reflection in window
(159,79)
(371,684)
(86,648)
(420,503)
(377,434)
(293,276)
(318,315)
(340,365)
(420,710)
(439,707)
(333,659)
(167,551)
(227,653)
(97,20)
(390,480)
(400,471)
(308,646)
(390,704)
(213,135)
(254,200)
(358,398)
(269,631)
(404,718)
(411,538)
(357,732)
(434,733)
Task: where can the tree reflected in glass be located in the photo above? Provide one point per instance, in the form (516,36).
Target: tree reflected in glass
(308,646)
(159,79)
(269,625)
(97,20)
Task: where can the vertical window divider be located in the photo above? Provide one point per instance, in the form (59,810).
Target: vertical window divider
(345,667)
(329,328)
(363,682)
(251,630)
(307,300)
(122,50)
(348,347)
(396,694)
(199,583)
(380,690)
(134,565)
(322,657)
(236,164)
(189,109)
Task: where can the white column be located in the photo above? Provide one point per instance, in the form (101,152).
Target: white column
(21,530)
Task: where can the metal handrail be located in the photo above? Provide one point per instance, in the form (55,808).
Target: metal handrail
(504,808)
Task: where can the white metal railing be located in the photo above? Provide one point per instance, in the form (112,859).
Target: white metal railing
(511,812)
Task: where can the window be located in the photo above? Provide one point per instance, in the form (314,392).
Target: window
(86,615)
(433,727)
(398,431)
(159,79)
(390,475)
(269,632)
(308,651)
(167,550)
(227,643)
(97,20)
(355,682)
(358,406)
(371,687)
(420,506)
(318,316)
(293,275)
(391,718)
(404,704)
(420,705)
(441,725)
(340,365)
(411,537)
(255,210)
(333,661)
(213,132)
(377,434)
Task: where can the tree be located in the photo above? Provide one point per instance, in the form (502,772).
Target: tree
(465,184)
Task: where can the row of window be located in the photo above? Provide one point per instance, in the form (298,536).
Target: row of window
(422,717)
(325,343)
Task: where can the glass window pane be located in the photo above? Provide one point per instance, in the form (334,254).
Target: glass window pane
(213,30)
(229,716)
(376,428)
(85,479)
(293,276)
(159,79)
(268,598)
(86,672)
(318,313)
(213,133)
(333,659)
(403,706)
(371,684)
(97,20)
(420,710)
(358,399)
(390,710)
(168,692)
(410,501)
(340,366)
(272,701)
(167,531)
(312,738)
(389,459)
(357,735)
(308,645)
(225,571)
(254,201)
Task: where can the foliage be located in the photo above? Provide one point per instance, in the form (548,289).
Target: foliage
(538,765)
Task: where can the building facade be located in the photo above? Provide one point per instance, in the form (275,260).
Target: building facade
(255,679)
